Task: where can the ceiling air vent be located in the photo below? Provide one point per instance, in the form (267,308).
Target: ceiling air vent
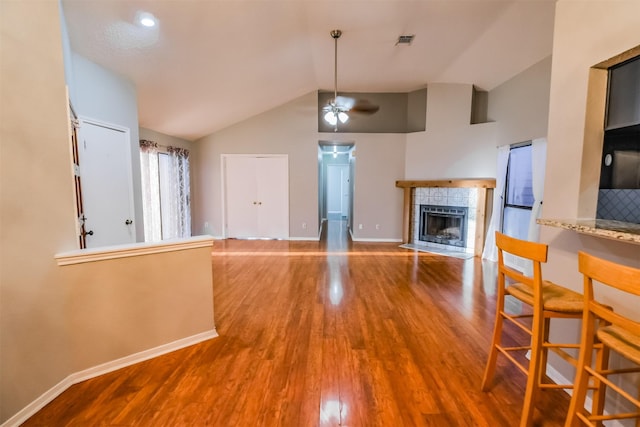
(407,39)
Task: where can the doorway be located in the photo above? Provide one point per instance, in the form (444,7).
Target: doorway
(336,183)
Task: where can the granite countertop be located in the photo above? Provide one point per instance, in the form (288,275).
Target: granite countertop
(609,229)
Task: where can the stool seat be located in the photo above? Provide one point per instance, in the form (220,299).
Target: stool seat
(621,340)
(554,297)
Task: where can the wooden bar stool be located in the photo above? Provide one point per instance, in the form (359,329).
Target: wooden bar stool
(543,301)
(613,331)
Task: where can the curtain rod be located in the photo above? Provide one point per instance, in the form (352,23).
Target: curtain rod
(163,146)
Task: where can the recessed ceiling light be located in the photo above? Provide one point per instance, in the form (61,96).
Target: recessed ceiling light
(146,19)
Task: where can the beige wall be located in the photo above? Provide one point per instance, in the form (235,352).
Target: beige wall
(166,140)
(379,163)
(520,106)
(292,129)
(37,205)
(586,33)
(451,147)
(123,306)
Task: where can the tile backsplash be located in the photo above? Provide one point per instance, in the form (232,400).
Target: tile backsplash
(619,204)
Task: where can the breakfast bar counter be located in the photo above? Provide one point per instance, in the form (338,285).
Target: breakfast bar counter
(608,229)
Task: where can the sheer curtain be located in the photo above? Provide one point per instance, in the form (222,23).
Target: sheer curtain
(150,191)
(179,224)
(490,251)
(538,167)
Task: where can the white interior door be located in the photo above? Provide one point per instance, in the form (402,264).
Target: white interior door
(338,190)
(344,190)
(273,197)
(256,196)
(107,187)
(241,197)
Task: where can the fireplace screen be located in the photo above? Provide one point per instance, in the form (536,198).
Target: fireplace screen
(443,224)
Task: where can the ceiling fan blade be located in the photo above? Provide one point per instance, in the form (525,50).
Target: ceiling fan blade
(345,102)
(363,106)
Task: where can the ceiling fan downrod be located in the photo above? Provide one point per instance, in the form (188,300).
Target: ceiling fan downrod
(336,35)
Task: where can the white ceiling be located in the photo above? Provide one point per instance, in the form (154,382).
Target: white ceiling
(212,63)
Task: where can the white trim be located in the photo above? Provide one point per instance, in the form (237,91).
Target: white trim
(132,249)
(362,239)
(308,239)
(77,377)
(369,239)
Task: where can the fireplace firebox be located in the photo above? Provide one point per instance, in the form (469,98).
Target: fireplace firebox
(446,225)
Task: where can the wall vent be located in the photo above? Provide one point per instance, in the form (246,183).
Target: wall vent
(406,39)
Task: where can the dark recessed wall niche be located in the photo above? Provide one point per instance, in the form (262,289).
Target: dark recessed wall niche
(398,113)
(479,105)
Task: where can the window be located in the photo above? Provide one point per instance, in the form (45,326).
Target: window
(519,197)
(165,191)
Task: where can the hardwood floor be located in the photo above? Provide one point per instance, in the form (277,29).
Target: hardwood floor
(323,334)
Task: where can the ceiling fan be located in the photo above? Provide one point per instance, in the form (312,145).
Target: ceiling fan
(336,110)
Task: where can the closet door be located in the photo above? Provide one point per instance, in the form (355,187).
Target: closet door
(273,197)
(241,197)
(256,196)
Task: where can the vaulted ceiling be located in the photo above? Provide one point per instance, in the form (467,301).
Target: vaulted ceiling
(212,63)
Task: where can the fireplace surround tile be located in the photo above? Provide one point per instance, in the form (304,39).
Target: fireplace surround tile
(464,197)
(476,195)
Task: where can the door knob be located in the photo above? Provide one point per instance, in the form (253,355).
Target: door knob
(88,233)
(128,222)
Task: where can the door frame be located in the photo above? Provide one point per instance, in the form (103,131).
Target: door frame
(325,150)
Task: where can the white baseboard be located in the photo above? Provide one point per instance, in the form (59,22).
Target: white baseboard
(305,239)
(366,239)
(77,377)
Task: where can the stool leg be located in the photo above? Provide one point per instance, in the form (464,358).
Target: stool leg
(495,341)
(582,377)
(533,376)
(544,351)
(490,369)
(602,362)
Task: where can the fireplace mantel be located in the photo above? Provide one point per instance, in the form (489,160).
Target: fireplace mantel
(485,188)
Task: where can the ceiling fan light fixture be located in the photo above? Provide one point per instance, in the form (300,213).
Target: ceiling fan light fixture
(146,19)
(336,110)
(331,118)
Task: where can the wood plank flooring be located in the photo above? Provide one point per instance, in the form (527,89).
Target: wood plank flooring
(323,334)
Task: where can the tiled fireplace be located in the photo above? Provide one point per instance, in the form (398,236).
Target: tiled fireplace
(450,214)
(445,218)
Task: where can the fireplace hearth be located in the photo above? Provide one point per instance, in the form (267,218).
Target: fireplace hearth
(446,225)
